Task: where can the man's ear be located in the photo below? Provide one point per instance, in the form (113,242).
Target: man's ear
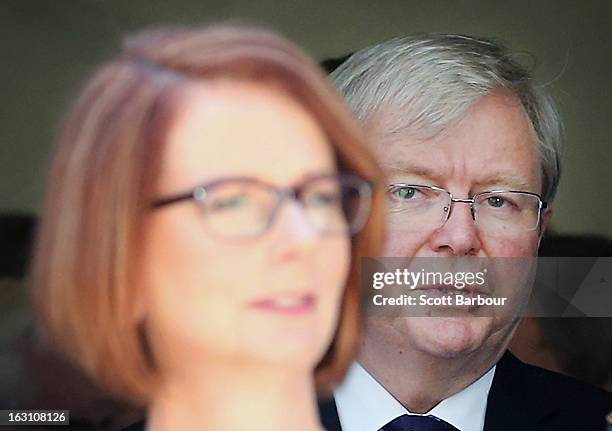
(546,216)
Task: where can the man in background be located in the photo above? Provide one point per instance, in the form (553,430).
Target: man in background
(453,118)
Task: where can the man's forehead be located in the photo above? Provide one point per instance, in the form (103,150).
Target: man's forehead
(493,144)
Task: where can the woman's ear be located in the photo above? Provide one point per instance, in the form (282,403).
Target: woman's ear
(138,302)
(139,309)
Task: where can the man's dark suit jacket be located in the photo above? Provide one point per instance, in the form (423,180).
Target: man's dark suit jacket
(523,398)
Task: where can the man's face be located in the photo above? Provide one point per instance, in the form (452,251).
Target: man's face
(491,148)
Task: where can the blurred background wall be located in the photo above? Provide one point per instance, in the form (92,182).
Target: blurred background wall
(48,46)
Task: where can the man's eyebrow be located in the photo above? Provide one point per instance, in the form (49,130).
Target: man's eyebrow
(412,169)
(505,181)
(513,182)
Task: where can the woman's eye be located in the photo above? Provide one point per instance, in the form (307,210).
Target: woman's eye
(228,203)
(324,198)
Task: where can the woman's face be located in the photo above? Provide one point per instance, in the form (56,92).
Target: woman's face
(271,299)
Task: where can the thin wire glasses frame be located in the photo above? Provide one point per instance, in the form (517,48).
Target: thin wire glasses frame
(349,182)
(447,209)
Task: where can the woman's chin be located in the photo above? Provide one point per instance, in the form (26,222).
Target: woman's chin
(293,348)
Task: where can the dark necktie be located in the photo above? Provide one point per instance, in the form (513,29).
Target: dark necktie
(418,423)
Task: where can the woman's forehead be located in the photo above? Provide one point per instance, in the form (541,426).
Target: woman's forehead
(227,128)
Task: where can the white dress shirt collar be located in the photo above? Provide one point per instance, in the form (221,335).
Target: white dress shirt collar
(363,404)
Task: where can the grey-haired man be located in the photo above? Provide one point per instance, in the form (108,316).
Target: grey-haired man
(453,118)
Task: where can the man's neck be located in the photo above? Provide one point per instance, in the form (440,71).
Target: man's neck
(419,381)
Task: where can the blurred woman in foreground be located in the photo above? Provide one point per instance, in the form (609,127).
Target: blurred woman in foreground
(208,203)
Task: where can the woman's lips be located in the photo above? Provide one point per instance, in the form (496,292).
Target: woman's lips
(288,304)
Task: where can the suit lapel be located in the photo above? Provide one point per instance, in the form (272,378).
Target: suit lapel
(514,402)
(329,414)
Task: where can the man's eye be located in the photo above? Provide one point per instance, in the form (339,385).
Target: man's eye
(496,201)
(405,192)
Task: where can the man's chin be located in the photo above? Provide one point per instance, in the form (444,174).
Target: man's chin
(446,337)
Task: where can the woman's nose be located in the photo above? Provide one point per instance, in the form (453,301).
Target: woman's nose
(293,227)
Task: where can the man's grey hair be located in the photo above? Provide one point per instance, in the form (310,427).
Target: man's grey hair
(431,80)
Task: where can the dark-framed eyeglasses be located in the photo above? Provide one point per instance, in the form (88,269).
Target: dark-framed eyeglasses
(500,212)
(245,207)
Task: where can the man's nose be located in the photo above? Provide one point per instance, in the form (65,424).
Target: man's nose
(458,236)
